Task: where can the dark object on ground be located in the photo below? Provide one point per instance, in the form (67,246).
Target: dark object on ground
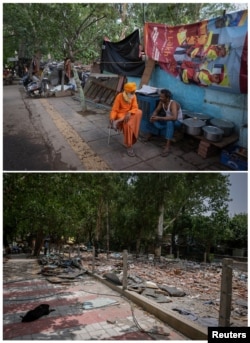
(38,312)
(113,278)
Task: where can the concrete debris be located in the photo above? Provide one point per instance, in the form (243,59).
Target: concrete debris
(191,288)
(150,284)
(159,298)
(179,283)
(242,302)
(60,270)
(113,278)
(172,291)
(186,313)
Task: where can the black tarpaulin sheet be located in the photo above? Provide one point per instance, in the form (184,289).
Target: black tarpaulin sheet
(123,58)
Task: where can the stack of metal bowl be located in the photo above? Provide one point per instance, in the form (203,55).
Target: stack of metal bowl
(212,133)
(225,125)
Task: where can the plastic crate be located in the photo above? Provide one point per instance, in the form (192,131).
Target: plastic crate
(233,158)
(147,104)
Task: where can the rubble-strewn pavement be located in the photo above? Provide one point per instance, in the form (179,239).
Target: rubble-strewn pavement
(87,309)
(116,318)
(190,288)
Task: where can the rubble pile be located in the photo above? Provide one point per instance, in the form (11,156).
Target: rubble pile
(189,288)
(57,269)
(178,285)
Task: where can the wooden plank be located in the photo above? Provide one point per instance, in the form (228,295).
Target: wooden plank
(226,293)
(61,94)
(104,89)
(122,80)
(104,85)
(89,90)
(149,68)
(223,143)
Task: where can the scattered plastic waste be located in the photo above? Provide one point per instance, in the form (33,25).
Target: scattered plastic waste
(99,302)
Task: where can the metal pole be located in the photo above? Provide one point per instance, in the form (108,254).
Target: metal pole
(62,81)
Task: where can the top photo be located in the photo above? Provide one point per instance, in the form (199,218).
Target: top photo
(125,87)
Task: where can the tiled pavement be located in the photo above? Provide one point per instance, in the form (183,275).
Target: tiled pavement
(92,127)
(24,288)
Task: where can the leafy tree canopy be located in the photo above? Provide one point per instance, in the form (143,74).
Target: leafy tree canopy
(77,29)
(121,207)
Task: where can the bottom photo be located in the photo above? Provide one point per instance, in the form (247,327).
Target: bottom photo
(124,256)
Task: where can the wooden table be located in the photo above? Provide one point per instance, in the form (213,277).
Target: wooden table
(223,143)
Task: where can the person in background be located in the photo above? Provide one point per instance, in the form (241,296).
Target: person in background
(126,116)
(192,73)
(166,117)
(67,70)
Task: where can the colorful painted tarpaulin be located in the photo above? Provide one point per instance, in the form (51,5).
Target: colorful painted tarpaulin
(211,53)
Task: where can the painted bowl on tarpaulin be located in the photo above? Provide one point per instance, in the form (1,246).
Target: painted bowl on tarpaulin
(212,133)
(225,125)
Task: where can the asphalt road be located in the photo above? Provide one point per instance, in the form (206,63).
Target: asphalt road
(31,141)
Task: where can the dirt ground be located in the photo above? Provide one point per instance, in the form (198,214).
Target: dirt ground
(86,155)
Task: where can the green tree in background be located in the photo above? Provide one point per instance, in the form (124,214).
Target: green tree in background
(76,30)
(133,211)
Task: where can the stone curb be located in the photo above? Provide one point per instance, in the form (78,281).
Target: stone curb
(187,328)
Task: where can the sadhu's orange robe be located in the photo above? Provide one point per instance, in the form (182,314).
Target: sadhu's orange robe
(131,128)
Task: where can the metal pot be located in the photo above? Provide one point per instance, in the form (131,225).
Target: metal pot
(199,116)
(193,126)
(225,125)
(186,114)
(212,133)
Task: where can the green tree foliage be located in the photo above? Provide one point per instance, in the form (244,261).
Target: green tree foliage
(119,210)
(184,13)
(59,29)
(76,30)
(237,231)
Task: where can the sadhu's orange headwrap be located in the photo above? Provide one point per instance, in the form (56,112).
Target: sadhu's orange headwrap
(130,87)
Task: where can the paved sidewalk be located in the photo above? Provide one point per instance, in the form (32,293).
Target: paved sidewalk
(24,288)
(92,127)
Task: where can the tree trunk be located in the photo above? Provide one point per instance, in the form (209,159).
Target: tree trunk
(80,90)
(138,245)
(159,232)
(38,243)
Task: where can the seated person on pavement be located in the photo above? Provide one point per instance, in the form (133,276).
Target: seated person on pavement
(126,116)
(166,117)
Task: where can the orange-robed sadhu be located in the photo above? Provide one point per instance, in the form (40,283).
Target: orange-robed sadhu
(120,108)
